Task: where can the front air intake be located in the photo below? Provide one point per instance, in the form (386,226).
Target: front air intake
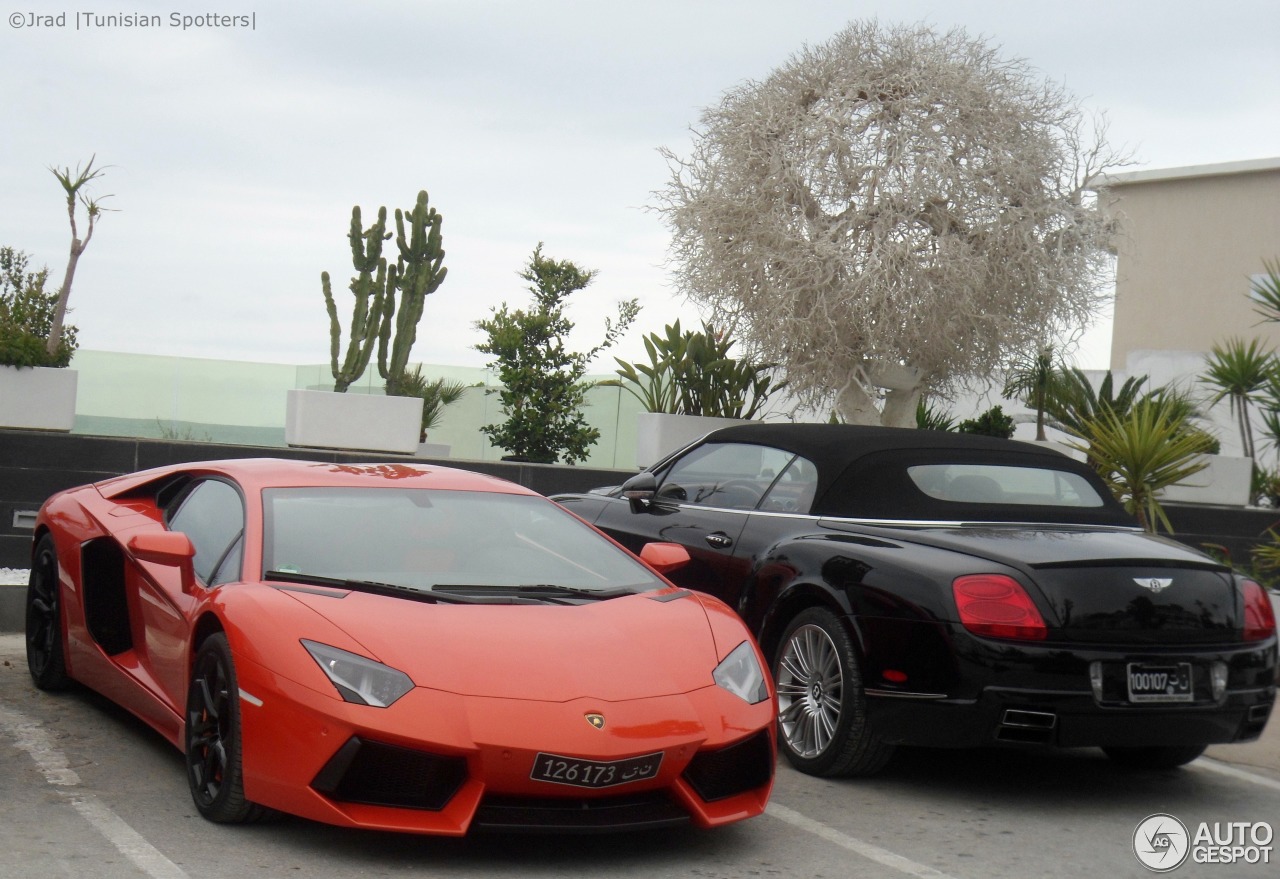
(386,775)
(726,772)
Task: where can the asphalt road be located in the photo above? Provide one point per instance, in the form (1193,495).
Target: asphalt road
(87,791)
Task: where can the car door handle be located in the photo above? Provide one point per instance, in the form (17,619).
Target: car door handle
(719,540)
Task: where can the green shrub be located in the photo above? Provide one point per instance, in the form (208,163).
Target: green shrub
(993,422)
(26,316)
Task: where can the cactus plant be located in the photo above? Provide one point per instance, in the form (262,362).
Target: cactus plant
(418,272)
(370,292)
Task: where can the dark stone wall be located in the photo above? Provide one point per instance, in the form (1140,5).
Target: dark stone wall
(36,464)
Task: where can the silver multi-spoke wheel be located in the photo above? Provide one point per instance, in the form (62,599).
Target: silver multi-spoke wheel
(822,710)
(810,691)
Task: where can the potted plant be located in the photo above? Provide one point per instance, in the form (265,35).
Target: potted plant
(690,386)
(37,390)
(435,395)
(388,303)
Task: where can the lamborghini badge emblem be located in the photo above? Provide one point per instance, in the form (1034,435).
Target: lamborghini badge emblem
(596,720)
(1155,584)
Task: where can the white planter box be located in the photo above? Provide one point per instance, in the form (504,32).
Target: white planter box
(38,398)
(1226,481)
(658,433)
(433,450)
(363,422)
(1060,448)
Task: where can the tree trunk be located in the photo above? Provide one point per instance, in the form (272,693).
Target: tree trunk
(856,406)
(900,407)
(60,312)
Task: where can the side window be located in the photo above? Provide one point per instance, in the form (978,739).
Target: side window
(731,475)
(794,490)
(212,515)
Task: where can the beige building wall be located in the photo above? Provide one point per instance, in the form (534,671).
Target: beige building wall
(1190,240)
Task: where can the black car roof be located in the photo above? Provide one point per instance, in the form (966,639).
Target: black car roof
(862,470)
(835,445)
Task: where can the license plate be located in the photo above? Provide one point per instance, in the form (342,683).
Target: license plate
(594,773)
(1160,683)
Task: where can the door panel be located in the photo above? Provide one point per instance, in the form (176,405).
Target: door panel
(710,536)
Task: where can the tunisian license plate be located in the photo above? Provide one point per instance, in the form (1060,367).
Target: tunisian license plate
(1160,683)
(594,773)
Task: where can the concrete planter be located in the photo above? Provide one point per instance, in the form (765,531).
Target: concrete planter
(1227,481)
(38,398)
(364,422)
(658,433)
(433,450)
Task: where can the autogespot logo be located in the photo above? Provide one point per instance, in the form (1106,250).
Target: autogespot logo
(1161,843)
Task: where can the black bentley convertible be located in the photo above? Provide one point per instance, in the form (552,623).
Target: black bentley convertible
(915,587)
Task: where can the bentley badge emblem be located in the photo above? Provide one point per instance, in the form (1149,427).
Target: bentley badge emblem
(1155,584)
(596,720)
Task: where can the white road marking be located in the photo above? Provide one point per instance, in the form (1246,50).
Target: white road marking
(853,844)
(1227,769)
(52,763)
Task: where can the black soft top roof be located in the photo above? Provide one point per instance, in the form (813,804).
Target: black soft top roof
(835,445)
(862,471)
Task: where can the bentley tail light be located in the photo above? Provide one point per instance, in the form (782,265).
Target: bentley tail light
(1259,618)
(996,606)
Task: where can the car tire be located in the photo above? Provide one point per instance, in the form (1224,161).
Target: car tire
(822,710)
(45,657)
(1165,757)
(212,741)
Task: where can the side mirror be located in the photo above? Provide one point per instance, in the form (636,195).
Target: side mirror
(639,491)
(664,557)
(170,548)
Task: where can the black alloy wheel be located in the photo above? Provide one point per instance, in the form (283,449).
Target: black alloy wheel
(213,744)
(822,711)
(45,659)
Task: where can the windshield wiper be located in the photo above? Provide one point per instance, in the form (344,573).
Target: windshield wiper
(541,591)
(394,590)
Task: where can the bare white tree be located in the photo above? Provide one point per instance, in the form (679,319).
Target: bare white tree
(895,211)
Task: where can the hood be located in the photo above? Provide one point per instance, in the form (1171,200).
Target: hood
(623,648)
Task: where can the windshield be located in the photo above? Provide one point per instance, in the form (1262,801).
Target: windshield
(423,539)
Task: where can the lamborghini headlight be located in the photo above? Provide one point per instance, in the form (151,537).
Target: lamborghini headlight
(359,679)
(741,675)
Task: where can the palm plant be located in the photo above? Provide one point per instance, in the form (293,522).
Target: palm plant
(1239,371)
(1266,292)
(73,182)
(436,395)
(1269,403)
(928,417)
(654,383)
(1031,380)
(1143,451)
(1073,402)
(1266,556)
(692,373)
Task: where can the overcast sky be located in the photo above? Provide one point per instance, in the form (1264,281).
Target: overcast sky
(236,153)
